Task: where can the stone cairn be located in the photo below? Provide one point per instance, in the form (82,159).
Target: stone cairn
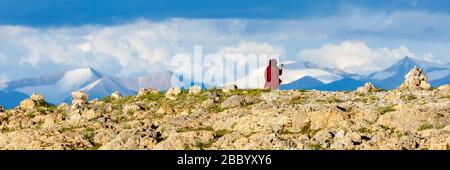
(416,80)
(116,95)
(172,93)
(79,99)
(145,91)
(367,88)
(34,101)
(195,90)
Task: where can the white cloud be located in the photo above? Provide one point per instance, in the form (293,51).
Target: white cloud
(357,57)
(143,46)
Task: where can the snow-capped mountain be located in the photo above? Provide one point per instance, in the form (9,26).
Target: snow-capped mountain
(57,87)
(46,79)
(104,87)
(393,76)
(71,80)
(302,75)
(294,72)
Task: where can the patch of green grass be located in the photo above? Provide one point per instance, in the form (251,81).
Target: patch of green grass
(401,134)
(408,97)
(202,146)
(308,131)
(300,99)
(302,90)
(385,127)
(361,99)
(107,99)
(315,146)
(126,126)
(425,127)
(333,99)
(215,108)
(151,96)
(364,130)
(89,134)
(384,110)
(65,129)
(287,132)
(130,112)
(233,125)
(440,126)
(207,128)
(222,132)
(31,114)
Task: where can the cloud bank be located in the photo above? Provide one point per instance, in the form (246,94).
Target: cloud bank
(356,41)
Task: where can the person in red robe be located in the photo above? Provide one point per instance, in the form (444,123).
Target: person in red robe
(272,75)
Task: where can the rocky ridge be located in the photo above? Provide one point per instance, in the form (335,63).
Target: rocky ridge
(370,118)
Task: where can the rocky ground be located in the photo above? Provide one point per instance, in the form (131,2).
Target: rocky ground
(368,118)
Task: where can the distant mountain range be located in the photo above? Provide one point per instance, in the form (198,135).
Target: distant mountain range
(388,79)
(57,87)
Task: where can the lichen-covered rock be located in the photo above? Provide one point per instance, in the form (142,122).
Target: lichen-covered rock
(233,101)
(367,88)
(82,95)
(195,90)
(37,97)
(144,91)
(243,119)
(229,88)
(33,102)
(116,95)
(172,93)
(27,104)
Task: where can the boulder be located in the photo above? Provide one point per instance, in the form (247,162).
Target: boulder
(116,95)
(172,93)
(367,88)
(229,88)
(444,87)
(415,80)
(195,90)
(129,108)
(33,102)
(27,104)
(213,95)
(144,91)
(165,110)
(233,101)
(37,97)
(90,114)
(269,96)
(81,95)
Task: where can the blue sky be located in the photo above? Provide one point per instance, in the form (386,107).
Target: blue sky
(79,12)
(134,37)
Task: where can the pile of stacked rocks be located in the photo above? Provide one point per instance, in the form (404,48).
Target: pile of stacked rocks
(416,80)
(34,101)
(80,99)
